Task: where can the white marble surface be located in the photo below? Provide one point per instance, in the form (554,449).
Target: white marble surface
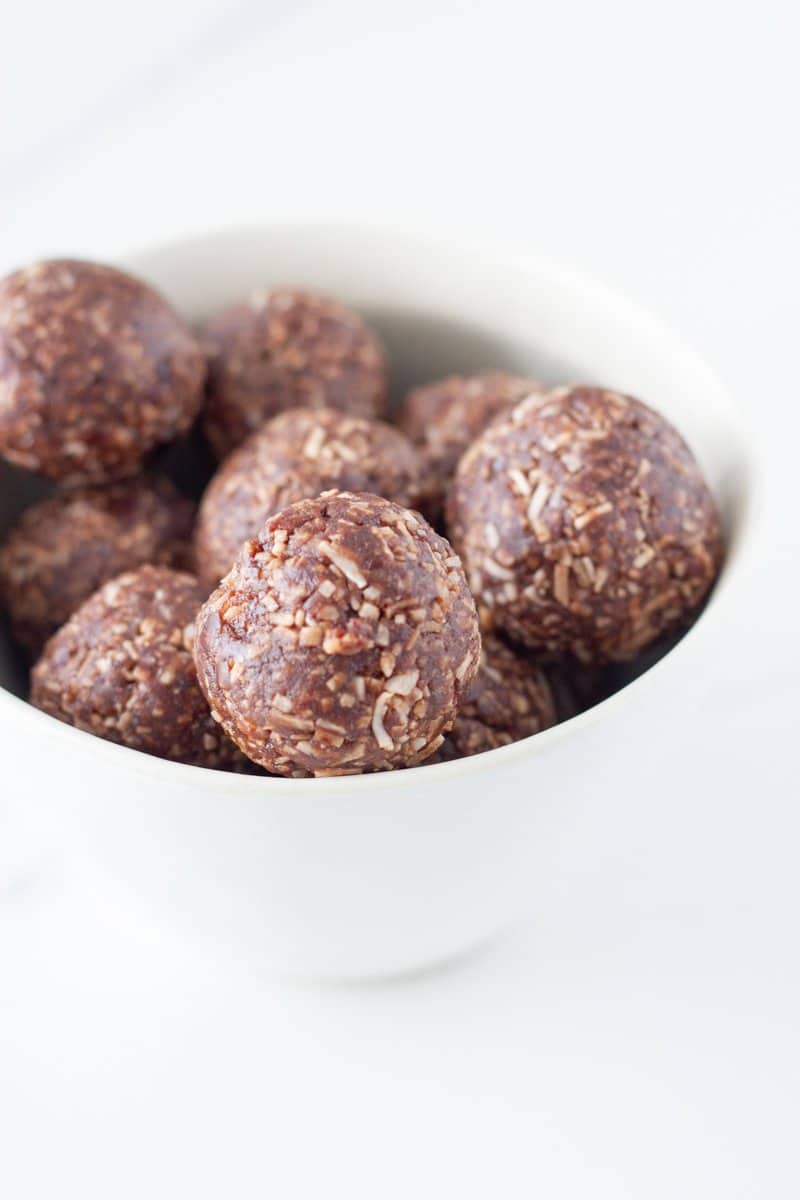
(641,1038)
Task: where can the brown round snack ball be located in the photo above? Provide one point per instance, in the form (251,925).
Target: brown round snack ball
(343,640)
(444,417)
(296,456)
(287,349)
(122,668)
(96,370)
(510,699)
(63,548)
(585,525)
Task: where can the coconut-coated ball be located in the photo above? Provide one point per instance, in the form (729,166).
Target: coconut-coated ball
(296,456)
(63,548)
(96,371)
(122,668)
(286,348)
(442,418)
(509,699)
(344,639)
(585,525)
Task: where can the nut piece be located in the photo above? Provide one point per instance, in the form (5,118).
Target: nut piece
(285,349)
(122,668)
(585,525)
(344,639)
(63,548)
(444,417)
(510,699)
(296,456)
(96,370)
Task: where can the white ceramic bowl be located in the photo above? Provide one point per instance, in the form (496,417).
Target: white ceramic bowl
(384,873)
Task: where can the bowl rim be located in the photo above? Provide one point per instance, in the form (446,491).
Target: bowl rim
(739,555)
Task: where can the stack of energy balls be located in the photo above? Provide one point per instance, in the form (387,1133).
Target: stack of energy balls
(351,595)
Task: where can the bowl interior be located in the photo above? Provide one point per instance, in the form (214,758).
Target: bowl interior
(441,309)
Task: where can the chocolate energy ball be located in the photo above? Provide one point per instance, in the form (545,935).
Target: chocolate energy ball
(287,349)
(509,699)
(444,417)
(122,668)
(344,639)
(585,525)
(63,548)
(296,456)
(96,370)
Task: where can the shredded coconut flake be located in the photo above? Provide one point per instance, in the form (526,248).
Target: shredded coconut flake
(378,727)
(347,566)
(314,442)
(464,666)
(495,570)
(592,514)
(403,683)
(519,480)
(538,500)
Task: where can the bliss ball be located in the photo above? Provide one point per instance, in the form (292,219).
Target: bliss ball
(444,417)
(96,370)
(288,349)
(122,668)
(344,639)
(296,456)
(585,525)
(509,699)
(63,548)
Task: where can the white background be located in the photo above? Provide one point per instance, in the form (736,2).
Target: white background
(641,1038)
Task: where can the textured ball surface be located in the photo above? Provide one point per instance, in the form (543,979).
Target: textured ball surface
(122,668)
(96,370)
(585,525)
(296,456)
(63,548)
(444,417)
(509,699)
(286,349)
(344,639)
